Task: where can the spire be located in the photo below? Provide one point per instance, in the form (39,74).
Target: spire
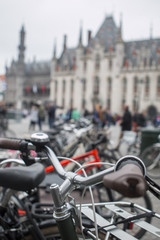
(80,36)
(119,32)
(55,49)
(21,46)
(65,43)
(89,36)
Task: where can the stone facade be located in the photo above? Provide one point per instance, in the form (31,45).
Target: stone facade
(27,82)
(108,71)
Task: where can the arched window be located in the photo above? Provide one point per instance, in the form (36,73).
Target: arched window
(56,89)
(84,85)
(145,61)
(109,90)
(63,92)
(96,86)
(124,90)
(83,93)
(124,85)
(97,62)
(147,86)
(109,85)
(135,85)
(85,65)
(110,64)
(72,92)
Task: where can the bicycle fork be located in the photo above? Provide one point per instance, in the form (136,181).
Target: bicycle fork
(62,215)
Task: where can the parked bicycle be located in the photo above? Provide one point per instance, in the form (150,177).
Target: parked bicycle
(127,179)
(151,158)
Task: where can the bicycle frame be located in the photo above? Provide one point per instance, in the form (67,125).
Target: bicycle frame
(62,210)
(92,153)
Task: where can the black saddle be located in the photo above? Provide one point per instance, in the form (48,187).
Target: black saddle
(22,178)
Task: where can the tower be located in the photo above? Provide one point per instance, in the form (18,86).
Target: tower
(21,46)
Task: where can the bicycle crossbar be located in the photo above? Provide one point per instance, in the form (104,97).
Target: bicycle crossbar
(93,153)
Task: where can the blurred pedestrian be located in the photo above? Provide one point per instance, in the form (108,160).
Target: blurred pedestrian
(135,121)
(41,115)
(141,119)
(33,118)
(98,115)
(75,114)
(126,122)
(52,114)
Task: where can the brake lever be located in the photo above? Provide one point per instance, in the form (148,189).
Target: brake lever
(153,187)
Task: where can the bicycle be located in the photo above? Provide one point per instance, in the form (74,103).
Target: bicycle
(4,129)
(151,158)
(62,209)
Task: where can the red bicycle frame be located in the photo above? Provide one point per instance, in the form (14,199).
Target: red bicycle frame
(93,153)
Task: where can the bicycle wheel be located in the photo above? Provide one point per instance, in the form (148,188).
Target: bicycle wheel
(151,159)
(134,149)
(104,194)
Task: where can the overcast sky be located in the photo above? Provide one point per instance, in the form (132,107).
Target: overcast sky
(47,20)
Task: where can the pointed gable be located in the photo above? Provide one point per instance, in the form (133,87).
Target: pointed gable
(67,59)
(107,34)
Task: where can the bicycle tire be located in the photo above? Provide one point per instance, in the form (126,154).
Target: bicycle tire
(133,149)
(151,159)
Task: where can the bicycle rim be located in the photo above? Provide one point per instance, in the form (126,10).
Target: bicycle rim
(151,159)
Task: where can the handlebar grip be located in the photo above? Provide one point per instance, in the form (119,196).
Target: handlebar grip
(13,144)
(128,179)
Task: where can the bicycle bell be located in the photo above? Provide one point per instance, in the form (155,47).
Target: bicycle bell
(39,138)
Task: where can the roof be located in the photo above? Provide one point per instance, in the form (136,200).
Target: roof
(68,58)
(41,67)
(151,47)
(107,33)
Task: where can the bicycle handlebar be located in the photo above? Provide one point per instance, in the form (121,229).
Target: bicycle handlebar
(13,144)
(128,178)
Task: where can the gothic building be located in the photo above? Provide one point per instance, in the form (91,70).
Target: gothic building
(26,82)
(109,71)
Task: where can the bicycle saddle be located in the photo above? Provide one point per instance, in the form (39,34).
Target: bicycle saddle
(22,178)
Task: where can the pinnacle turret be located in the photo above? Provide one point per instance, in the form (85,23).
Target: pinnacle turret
(21,46)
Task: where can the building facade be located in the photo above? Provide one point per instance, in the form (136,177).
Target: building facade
(108,71)
(26,82)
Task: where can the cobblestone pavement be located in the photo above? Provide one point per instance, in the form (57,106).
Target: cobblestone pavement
(21,130)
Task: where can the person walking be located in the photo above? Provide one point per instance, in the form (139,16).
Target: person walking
(33,118)
(98,115)
(41,115)
(52,114)
(126,122)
